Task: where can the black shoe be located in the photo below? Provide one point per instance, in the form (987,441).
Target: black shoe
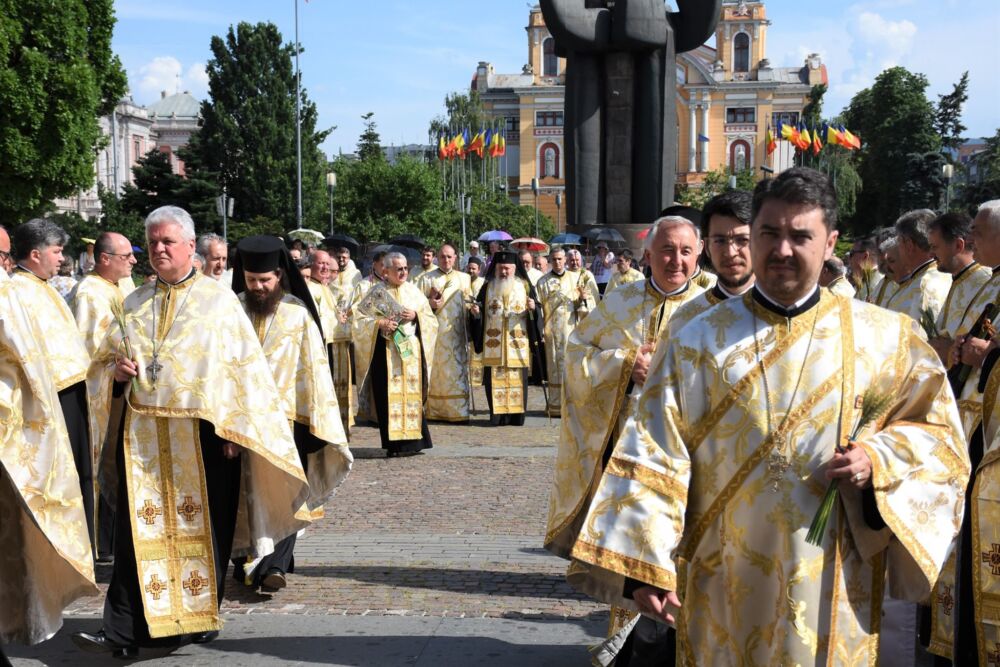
(99,643)
(205,637)
(274,579)
(4,662)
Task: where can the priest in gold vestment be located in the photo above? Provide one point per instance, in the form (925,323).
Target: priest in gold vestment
(865,274)
(566,297)
(625,272)
(93,302)
(333,302)
(38,248)
(199,462)
(449,293)
(395,332)
(506,330)
(46,559)
(922,287)
(744,420)
(278,302)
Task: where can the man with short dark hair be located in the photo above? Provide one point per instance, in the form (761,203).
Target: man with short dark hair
(624,272)
(426,263)
(922,288)
(834,278)
(277,301)
(743,421)
(348,275)
(864,274)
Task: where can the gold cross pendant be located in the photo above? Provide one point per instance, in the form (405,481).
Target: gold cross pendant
(777,466)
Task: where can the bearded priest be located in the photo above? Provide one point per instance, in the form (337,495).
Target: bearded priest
(746,417)
(395,332)
(279,304)
(200,461)
(506,326)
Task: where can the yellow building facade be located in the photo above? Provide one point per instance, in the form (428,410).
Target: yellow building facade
(727,96)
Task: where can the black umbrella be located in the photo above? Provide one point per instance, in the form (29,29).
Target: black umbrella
(605,234)
(342,241)
(412,255)
(409,240)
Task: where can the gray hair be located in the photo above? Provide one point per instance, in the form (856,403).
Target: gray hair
(172,215)
(990,210)
(36,234)
(205,241)
(555,249)
(888,244)
(197,258)
(573,252)
(668,221)
(393,256)
(915,226)
(835,265)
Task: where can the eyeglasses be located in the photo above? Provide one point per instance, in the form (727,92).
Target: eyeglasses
(4,256)
(119,254)
(739,242)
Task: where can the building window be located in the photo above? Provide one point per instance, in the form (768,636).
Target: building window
(741,52)
(512,124)
(548,118)
(549,157)
(779,118)
(741,115)
(739,156)
(550,61)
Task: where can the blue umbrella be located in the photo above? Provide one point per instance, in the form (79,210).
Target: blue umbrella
(566,239)
(495,235)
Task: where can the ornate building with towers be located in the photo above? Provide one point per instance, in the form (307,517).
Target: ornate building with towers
(727,96)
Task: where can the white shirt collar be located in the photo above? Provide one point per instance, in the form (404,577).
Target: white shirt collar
(795,305)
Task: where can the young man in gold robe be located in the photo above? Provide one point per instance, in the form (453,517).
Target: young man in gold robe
(866,277)
(93,302)
(282,312)
(395,333)
(624,272)
(744,420)
(38,246)
(506,326)
(922,287)
(201,462)
(566,295)
(45,559)
(333,302)
(448,292)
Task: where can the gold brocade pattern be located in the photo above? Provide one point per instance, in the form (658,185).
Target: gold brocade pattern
(755,591)
(295,353)
(693,308)
(448,387)
(841,287)
(869,293)
(562,300)
(45,560)
(925,290)
(970,402)
(986,529)
(407,377)
(963,293)
(619,279)
(212,369)
(507,392)
(61,341)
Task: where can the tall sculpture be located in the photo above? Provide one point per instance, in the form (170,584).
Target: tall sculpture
(620,117)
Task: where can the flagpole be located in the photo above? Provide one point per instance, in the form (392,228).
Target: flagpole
(298,125)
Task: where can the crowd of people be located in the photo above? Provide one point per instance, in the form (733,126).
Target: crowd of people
(784,460)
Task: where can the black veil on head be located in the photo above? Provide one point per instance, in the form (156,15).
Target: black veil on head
(260,254)
(506,257)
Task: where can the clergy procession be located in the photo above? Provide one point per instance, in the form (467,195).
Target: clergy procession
(767,454)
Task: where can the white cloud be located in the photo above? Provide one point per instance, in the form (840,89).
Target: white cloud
(888,41)
(166,73)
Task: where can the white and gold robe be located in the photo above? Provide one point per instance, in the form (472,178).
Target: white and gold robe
(869,292)
(566,300)
(600,355)
(346,279)
(842,287)
(297,357)
(985,526)
(210,367)
(965,289)
(704,278)
(507,346)
(618,279)
(696,306)
(924,290)
(448,388)
(475,358)
(407,376)
(331,300)
(45,561)
(702,497)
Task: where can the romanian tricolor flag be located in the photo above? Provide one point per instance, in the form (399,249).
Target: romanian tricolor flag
(832,136)
(790,133)
(494,145)
(805,139)
(771,143)
(460,142)
(817,143)
(442,148)
(850,141)
(502,146)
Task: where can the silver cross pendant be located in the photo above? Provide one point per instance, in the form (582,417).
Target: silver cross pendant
(153,371)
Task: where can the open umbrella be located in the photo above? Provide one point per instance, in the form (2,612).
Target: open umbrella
(530,243)
(342,241)
(495,235)
(306,235)
(605,234)
(409,240)
(566,239)
(412,254)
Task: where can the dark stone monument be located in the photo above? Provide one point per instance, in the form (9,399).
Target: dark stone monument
(620,116)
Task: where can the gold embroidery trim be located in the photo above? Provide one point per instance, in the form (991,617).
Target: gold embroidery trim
(662,483)
(650,574)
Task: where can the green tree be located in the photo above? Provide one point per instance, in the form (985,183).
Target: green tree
(894,119)
(461,110)
(924,187)
(248,132)
(986,185)
(715,183)
(948,119)
(370,143)
(114,218)
(57,75)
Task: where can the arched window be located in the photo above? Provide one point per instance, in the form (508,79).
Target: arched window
(739,156)
(550,61)
(741,52)
(548,156)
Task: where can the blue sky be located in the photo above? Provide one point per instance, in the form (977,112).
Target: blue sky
(400,59)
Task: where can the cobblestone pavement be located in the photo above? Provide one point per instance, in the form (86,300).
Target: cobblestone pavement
(456,532)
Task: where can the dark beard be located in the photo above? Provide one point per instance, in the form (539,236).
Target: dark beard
(264,305)
(734,286)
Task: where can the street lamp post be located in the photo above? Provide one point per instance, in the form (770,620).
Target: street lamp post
(948,171)
(224,207)
(534,190)
(298,124)
(558,211)
(465,206)
(331,184)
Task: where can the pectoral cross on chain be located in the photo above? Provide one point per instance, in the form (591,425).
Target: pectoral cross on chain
(777,466)
(153,371)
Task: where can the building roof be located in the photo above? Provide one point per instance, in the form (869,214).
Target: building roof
(178,105)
